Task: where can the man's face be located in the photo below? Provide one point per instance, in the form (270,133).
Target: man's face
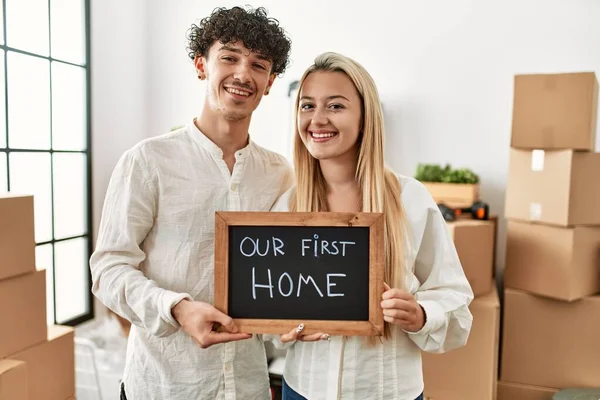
(237,79)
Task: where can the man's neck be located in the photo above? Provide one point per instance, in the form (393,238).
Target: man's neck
(229,136)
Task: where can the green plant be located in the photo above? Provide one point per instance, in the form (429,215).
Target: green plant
(437,173)
(431,172)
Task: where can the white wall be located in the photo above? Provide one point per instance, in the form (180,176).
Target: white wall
(444,70)
(119,65)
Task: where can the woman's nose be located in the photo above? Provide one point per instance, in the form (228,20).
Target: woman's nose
(319,117)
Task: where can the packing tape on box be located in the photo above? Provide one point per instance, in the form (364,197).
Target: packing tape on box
(537,160)
(535,211)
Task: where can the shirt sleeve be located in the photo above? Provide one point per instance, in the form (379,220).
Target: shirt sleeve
(127,217)
(445,294)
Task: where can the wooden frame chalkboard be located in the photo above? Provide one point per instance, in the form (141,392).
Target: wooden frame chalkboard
(373,223)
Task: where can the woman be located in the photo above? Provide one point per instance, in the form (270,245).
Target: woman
(339,166)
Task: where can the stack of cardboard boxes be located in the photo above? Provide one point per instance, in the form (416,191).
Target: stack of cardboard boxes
(551,313)
(470,372)
(36,361)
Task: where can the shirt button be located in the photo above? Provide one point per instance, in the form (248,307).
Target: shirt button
(228,367)
(234,187)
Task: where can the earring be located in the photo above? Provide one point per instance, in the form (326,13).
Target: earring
(201,77)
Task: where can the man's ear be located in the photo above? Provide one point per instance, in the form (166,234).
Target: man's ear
(200,64)
(270,83)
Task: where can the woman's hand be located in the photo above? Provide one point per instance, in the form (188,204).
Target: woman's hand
(401,308)
(296,334)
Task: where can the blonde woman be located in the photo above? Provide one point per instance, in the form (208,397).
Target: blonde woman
(339,166)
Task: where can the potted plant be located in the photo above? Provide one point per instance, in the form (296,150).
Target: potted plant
(453,187)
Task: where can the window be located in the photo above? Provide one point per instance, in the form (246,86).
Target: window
(45,140)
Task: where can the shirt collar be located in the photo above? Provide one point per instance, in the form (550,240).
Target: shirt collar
(203,141)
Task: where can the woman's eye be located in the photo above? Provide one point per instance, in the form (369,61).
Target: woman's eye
(305,106)
(336,106)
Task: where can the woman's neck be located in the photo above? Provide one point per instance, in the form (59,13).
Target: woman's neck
(343,189)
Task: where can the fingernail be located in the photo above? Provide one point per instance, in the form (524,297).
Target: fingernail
(300,328)
(326,337)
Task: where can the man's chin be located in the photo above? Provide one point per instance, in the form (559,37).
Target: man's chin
(235,116)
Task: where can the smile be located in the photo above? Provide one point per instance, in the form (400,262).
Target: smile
(238,92)
(322,135)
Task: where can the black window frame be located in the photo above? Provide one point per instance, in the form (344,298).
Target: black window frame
(88,150)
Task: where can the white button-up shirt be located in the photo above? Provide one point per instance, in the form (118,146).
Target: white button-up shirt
(348,368)
(155,248)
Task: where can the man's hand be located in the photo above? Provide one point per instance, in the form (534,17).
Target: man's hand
(401,308)
(197,319)
(296,334)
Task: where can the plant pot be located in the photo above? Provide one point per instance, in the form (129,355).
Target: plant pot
(456,195)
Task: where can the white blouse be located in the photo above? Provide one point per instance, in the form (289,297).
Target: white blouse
(348,368)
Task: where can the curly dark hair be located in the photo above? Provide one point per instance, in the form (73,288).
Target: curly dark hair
(258,32)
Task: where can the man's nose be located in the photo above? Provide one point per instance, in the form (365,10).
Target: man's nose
(242,73)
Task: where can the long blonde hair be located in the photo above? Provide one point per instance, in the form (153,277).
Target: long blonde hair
(379,185)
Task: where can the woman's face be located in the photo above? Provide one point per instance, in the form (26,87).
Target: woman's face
(329,116)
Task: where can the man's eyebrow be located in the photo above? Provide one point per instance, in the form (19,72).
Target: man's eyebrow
(335,96)
(263,57)
(230,48)
(227,47)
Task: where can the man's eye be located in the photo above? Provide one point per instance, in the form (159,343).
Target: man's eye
(228,58)
(260,66)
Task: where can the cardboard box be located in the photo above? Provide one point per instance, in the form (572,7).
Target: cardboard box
(562,263)
(516,391)
(453,194)
(553,187)
(474,241)
(22,312)
(17,240)
(13,380)
(555,111)
(469,372)
(550,343)
(51,365)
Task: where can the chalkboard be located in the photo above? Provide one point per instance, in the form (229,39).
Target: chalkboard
(276,270)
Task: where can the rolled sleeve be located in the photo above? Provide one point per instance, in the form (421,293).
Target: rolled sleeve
(444,293)
(127,217)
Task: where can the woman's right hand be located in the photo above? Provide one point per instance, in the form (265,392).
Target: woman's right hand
(296,334)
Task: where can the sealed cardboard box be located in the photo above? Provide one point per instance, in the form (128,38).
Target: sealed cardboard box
(562,263)
(17,240)
(13,380)
(453,194)
(553,187)
(550,343)
(517,391)
(22,312)
(51,365)
(469,372)
(474,241)
(555,111)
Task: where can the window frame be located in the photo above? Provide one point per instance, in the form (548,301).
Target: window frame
(87,152)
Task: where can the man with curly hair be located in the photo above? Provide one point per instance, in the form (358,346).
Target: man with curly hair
(153,262)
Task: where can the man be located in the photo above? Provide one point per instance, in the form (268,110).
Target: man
(153,262)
